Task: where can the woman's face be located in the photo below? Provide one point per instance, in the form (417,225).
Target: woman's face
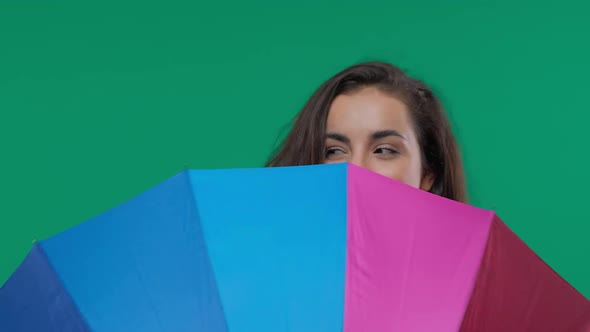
(373,130)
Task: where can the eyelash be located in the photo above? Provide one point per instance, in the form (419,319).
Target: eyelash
(392,151)
(332,150)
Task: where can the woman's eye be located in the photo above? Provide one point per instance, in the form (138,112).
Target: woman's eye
(385,151)
(333,151)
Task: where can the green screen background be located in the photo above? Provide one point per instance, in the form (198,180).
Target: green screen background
(99,102)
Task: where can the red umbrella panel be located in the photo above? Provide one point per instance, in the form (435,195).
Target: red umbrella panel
(307,248)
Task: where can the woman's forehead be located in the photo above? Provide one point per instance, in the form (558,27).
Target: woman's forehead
(367,111)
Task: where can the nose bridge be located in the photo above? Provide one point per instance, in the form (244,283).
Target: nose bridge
(358,158)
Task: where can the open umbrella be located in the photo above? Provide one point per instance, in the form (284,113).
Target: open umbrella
(308,248)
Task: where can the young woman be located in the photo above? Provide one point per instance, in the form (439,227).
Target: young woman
(375,116)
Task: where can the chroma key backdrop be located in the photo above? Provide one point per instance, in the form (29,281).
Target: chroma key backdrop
(99,102)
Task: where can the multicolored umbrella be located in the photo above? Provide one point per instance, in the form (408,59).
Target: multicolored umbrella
(308,248)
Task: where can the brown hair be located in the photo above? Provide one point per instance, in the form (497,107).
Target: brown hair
(305,143)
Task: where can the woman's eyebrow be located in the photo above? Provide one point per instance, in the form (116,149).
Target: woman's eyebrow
(338,137)
(386,133)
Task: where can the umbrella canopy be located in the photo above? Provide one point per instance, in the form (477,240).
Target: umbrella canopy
(308,248)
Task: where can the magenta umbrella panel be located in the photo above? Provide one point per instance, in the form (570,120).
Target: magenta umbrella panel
(307,248)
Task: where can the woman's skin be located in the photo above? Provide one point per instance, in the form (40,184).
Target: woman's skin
(373,130)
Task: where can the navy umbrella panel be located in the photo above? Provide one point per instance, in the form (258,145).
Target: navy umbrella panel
(144,265)
(325,248)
